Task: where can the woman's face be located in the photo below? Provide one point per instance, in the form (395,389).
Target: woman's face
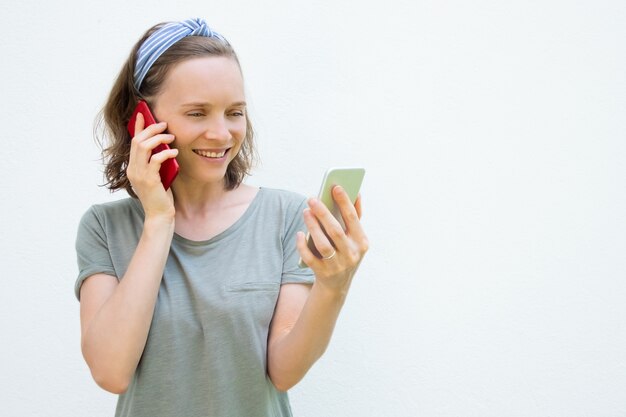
(203,103)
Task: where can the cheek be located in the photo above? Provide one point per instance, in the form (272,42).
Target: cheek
(183,132)
(239,130)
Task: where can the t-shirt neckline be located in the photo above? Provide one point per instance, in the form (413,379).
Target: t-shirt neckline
(256,201)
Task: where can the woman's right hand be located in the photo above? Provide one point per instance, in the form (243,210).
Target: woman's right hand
(143,168)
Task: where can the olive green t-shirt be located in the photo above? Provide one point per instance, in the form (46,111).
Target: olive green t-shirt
(206,350)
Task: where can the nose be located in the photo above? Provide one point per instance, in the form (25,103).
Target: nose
(217,129)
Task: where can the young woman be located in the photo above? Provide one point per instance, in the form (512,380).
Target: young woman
(191,299)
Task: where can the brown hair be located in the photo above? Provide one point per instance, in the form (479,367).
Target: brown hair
(111,131)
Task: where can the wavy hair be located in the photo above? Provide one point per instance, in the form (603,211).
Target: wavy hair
(110,128)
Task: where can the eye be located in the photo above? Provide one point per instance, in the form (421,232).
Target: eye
(237,113)
(195,114)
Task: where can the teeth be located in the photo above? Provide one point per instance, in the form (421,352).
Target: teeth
(207,154)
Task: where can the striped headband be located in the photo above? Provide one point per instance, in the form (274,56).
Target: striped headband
(163,38)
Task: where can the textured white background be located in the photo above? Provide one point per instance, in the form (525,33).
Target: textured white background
(493,133)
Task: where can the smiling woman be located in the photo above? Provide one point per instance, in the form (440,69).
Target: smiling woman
(128,90)
(203,101)
(192,301)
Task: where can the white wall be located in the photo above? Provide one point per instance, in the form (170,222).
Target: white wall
(494,137)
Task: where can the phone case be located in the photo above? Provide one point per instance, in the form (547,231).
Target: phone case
(169,168)
(350,178)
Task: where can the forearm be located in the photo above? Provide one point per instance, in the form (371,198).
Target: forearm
(293,353)
(114,341)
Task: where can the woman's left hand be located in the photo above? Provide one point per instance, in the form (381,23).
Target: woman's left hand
(342,251)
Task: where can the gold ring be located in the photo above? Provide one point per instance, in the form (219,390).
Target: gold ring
(331,256)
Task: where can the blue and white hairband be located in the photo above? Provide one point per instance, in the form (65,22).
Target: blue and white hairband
(163,38)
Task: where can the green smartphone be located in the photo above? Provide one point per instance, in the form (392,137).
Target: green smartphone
(350,179)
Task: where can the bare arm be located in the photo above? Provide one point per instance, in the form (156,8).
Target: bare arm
(305,316)
(116,317)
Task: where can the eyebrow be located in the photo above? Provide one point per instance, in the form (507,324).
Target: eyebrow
(201,104)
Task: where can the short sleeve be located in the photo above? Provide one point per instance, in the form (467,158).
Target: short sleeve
(294,222)
(92,251)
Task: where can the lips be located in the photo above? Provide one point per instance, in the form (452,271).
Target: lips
(211,154)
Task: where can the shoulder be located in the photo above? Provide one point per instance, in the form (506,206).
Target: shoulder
(116,206)
(103,213)
(284,198)
(282,208)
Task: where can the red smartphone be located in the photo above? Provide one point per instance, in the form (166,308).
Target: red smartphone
(169,168)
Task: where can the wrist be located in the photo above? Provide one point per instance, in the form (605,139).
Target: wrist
(153,222)
(330,293)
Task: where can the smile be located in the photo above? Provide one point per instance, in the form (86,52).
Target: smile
(210,154)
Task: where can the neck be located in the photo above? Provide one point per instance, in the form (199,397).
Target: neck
(194,197)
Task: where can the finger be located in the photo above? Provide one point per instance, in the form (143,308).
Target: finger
(139,123)
(141,151)
(153,142)
(149,131)
(321,241)
(138,154)
(160,157)
(331,226)
(149,173)
(348,210)
(305,253)
(357,206)
(351,215)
